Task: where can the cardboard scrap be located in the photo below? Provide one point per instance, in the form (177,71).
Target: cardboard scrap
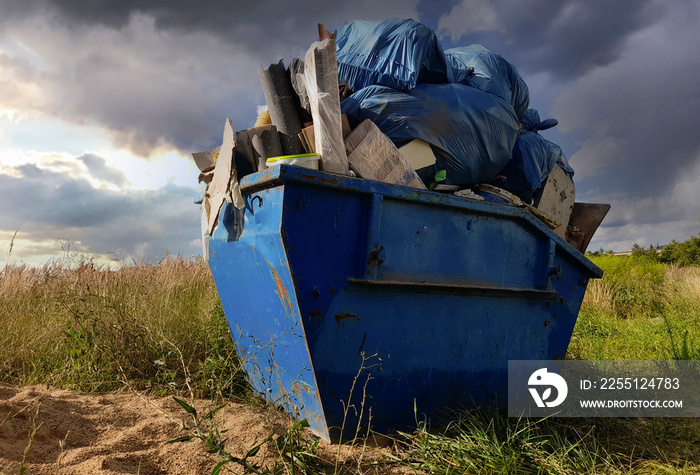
(375,157)
(244,146)
(309,138)
(205,159)
(206,176)
(224,185)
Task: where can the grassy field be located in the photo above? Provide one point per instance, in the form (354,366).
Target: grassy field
(639,310)
(160,328)
(149,327)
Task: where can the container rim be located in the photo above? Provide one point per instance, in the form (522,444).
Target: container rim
(277,175)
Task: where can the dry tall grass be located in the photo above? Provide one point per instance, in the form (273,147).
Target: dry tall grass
(683,283)
(88,327)
(671,284)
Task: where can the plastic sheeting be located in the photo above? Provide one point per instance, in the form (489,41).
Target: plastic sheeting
(321,82)
(394,53)
(479,67)
(533,159)
(471,132)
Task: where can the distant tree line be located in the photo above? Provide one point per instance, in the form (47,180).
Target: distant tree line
(683,254)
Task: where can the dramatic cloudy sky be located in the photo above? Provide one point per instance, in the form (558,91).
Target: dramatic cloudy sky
(102,102)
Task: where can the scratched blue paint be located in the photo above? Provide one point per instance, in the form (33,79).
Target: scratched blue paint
(412,296)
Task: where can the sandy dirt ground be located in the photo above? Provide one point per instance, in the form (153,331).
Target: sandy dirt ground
(53,431)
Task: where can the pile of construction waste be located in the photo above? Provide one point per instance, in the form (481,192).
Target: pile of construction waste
(383,101)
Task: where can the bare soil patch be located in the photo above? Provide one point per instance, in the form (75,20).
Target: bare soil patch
(80,433)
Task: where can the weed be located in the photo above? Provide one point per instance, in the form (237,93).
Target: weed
(32,434)
(687,348)
(298,455)
(205,430)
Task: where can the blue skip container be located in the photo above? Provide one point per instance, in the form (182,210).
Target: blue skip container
(354,302)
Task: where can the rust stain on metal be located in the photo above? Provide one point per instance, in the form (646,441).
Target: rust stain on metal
(281,289)
(319,420)
(343,316)
(546,322)
(298,388)
(316,313)
(328,181)
(376,256)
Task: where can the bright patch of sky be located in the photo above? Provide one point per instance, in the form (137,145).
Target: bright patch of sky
(55,145)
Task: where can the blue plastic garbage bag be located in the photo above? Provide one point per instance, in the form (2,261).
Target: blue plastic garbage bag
(472,133)
(531,122)
(394,53)
(479,67)
(533,159)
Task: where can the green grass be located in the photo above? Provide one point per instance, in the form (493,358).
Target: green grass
(160,328)
(639,310)
(489,443)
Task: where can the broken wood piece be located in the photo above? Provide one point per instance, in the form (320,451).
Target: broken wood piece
(345,124)
(556,198)
(324,34)
(374,156)
(587,217)
(310,137)
(304,143)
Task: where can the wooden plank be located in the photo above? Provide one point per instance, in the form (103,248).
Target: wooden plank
(374,157)
(587,217)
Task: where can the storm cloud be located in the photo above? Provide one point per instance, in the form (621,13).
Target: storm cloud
(622,78)
(160,74)
(565,39)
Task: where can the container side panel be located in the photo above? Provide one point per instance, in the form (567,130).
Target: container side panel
(253,279)
(405,302)
(439,351)
(422,243)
